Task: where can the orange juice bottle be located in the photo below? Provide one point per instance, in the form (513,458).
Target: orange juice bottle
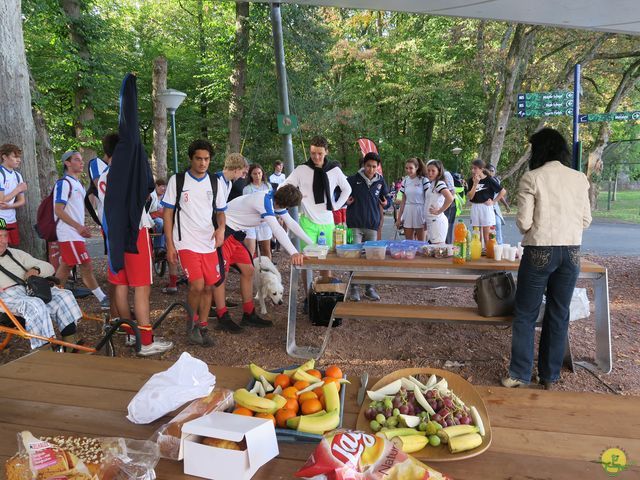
(460,241)
(492,242)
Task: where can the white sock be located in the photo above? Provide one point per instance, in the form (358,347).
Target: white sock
(99,294)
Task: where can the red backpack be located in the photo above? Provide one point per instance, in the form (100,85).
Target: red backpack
(45,224)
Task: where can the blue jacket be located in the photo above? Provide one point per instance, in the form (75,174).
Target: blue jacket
(364,212)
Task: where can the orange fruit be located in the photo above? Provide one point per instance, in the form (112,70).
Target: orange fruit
(290,392)
(292,404)
(328,380)
(321,398)
(243,411)
(268,416)
(301,385)
(303,397)
(312,405)
(283,415)
(282,381)
(315,373)
(333,371)
(270,395)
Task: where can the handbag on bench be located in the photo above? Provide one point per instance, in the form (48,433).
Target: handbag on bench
(495,294)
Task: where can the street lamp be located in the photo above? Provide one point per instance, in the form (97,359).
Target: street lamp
(456,151)
(172,99)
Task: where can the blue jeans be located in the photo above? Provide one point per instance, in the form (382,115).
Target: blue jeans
(499,230)
(554,269)
(159,241)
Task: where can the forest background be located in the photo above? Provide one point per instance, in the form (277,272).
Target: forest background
(417,85)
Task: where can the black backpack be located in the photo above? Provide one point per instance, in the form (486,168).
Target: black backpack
(179,185)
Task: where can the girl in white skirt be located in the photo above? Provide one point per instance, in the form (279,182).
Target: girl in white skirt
(437,199)
(257,182)
(413,188)
(482,190)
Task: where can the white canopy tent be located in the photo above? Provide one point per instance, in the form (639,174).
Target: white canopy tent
(618,16)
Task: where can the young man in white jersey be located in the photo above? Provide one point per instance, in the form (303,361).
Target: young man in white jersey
(136,272)
(12,188)
(277,177)
(68,198)
(191,235)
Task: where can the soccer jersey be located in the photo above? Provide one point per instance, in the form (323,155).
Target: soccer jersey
(69,192)
(414,189)
(224,189)
(9,180)
(250,211)
(196,211)
(276,179)
(434,198)
(97,167)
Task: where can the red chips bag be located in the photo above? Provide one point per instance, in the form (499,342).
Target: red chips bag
(351,455)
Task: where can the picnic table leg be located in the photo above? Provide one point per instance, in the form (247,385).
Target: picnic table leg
(604,362)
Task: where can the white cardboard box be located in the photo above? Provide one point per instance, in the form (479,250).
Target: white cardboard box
(223,464)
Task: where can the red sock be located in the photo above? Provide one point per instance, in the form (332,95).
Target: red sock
(248,307)
(204,323)
(173,281)
(195,318)
(127,329)
(221,311)
(146,334)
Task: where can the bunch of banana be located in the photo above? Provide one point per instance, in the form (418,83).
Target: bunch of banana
(330,420)
(461,438)
(258,404)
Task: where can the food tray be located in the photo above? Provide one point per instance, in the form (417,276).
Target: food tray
(463,389)
(349,251)
(290,436)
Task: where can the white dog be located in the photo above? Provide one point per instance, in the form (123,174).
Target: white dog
(267,283)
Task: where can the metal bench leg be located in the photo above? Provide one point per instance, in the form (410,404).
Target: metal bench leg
(293,350)
(325,340)
(567,361)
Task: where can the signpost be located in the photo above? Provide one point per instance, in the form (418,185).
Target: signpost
(287,124)
(610,117)
(545,104)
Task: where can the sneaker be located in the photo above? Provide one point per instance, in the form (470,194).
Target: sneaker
(130,341)
(546,384)
(105,304)
(371,294)
(213,312)
(195,337)
(207,341)
(513,383)
(154,348)
(226,324)
(162,342)
(253,320)
(170,290)
(354,294)
(305,306)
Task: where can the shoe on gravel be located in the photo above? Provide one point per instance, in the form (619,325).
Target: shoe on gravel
(253,320)
(227,325)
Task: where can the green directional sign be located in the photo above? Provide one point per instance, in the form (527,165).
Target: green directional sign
(609,117)
(287,124)
(545,104)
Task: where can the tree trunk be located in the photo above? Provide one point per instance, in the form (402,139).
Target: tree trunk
(238,78)
(159,155)
(202,47)
(47,172)
(428,135)
(16,121)
(84,109)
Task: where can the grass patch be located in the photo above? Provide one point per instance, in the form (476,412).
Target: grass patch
(625,208)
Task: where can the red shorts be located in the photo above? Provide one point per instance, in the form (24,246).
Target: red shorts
(137,266)
(74,253)
(235,252)
(340,216)
(198,266)
(14,234)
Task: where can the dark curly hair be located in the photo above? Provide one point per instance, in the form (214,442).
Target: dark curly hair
(288,196)
(548,145)
(200,145)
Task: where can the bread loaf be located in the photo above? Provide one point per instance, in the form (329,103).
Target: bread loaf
(220,443)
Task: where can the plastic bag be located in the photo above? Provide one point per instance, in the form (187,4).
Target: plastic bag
(578,309)
(352,455)
(168,436)
(127,459)
(185,380)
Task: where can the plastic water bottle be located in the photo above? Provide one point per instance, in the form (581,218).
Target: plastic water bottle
(322,239)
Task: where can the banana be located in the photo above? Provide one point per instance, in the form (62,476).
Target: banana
(257,404)
(411,443)
(331,397)
(292,423)
(256,371)
(447,433)
(304,376)
(308,365)
(399,432)
(462,443)
(320,424)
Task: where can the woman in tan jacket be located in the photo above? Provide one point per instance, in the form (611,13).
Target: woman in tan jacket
(553,211)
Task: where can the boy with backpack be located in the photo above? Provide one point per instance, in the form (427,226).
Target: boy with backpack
(12,188)
(68,215)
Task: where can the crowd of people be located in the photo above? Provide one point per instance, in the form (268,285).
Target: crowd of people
(206,223)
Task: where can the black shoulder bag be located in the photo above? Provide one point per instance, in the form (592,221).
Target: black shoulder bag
(35,286)
(495,294)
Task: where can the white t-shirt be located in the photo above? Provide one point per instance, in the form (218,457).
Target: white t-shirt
(196,210)
(69,192)
(414,189)
(145,219)
(433,198)
(224,189)
(252,210)
(277,178)
(302,177)
(9,180)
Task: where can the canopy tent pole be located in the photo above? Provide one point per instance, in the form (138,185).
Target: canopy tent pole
(283,92)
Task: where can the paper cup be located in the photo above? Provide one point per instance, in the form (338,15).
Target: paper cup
(505,246)
(497,252)
(512,255)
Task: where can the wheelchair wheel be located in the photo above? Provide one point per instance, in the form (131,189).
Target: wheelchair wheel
(160,267)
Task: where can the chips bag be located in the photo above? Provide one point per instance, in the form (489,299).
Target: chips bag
(352,455)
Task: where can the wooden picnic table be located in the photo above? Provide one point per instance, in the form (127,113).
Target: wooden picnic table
(447,272)
(537,434)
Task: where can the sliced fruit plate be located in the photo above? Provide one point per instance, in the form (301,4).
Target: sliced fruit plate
(305,402)
(433,414)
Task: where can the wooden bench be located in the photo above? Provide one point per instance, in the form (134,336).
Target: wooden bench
(417,278)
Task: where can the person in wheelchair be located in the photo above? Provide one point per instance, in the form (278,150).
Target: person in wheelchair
(40,317)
